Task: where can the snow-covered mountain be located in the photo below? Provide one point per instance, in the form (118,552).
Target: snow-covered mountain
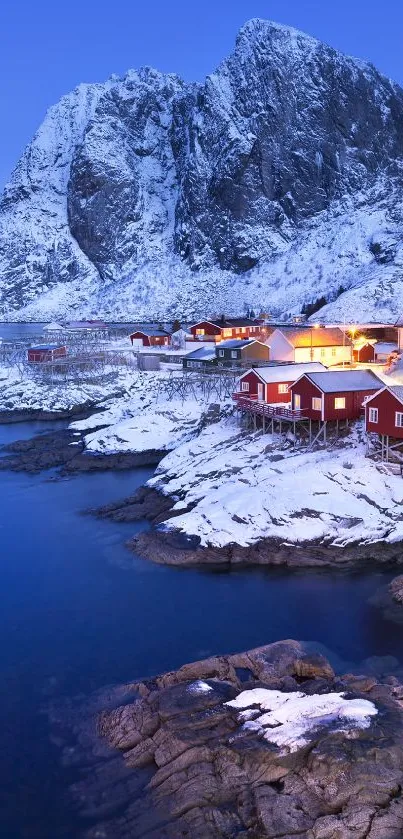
(277,181)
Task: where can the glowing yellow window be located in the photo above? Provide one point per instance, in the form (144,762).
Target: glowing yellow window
(199,331)
(339,403)
(316,403)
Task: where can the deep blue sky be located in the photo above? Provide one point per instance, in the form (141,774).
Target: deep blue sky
(48,47)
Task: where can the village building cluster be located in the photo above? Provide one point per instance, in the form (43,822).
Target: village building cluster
(310,377)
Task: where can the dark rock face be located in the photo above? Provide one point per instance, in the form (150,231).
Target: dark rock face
(216,176)
(66,449)
(192,769)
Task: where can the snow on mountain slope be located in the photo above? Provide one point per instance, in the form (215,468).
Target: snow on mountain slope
(276,181)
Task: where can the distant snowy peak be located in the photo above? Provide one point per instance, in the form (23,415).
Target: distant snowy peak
(277,181)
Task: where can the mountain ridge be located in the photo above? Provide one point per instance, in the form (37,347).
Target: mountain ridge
(277,180)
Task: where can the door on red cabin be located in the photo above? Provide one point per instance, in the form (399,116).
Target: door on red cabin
(260,394)
(297,401)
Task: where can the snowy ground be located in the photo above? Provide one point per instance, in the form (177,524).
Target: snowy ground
(24,391)
(144,419)
(244,488)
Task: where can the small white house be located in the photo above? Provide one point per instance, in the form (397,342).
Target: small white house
(331,346)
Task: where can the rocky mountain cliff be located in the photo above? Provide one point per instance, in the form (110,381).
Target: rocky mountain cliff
(278,180)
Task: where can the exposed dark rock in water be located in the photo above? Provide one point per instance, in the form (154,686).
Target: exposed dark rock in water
(46,451)
(145,503)
(33,415)
(191,768)
(396,590)
(66,449)
(173,548)
(389,599)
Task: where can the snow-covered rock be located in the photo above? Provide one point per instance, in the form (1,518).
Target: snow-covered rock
(277,181)
(289,720)
(235,488)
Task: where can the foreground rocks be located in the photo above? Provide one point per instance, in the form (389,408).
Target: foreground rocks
(192,768)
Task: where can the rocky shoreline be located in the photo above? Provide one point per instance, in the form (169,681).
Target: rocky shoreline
(65,449)
(37,414)
(169,547)
(196,764)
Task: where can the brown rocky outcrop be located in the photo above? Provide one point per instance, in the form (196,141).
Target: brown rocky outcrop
(190,769)
(396,590)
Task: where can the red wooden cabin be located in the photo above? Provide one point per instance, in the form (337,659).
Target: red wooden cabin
(151,338)
(334,395)
(271,384)
(384,412)
(364,354)
(221,330)
(46,352)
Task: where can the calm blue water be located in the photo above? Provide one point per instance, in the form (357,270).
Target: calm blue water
(78,612)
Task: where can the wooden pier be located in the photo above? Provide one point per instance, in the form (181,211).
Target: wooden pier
(272,418)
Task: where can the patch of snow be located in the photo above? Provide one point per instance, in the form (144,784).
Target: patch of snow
(291,720)
(199,687)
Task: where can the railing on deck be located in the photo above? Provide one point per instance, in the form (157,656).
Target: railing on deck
(254,406)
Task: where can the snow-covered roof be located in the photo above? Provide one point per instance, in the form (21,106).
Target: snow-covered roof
(53,327)
(385,347)
(337,381)
(286,372)
(397,391)
(86,324)
(153,333)
(315,337)
(46,347)
(236,343)
(202,354)
(241,322)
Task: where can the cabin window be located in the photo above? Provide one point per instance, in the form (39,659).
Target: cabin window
(221,353)
(399,419)
(322,352)
(227,333)
(283,388)
(245,387)
(333,352)
(199,331)
(242,329)
(234,354)
(340,403)
(373,414)
(316,403)
(297,401)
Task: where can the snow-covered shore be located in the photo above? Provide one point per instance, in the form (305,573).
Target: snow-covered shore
(229,488)
(142,419)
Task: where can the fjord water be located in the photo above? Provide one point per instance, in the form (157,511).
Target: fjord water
(78,612)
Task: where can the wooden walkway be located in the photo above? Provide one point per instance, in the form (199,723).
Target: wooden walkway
(263,409)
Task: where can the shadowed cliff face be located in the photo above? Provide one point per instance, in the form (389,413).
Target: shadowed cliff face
(126,177)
